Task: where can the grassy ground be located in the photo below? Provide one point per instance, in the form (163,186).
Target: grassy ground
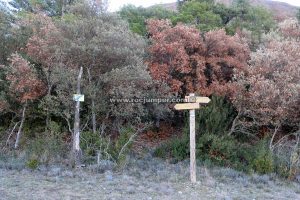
(143,179)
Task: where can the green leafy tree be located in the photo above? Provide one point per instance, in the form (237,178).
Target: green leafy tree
(227,13)
(6,35)
(200,14)
(50,7)
(257,20)
(137,16)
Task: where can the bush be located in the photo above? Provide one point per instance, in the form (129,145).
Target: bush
(212,143)
(48,147)
(286,157)
(216,118)
(263,159)
(121,146)
(115,150)
(32,164)
(222,150)
(176,148)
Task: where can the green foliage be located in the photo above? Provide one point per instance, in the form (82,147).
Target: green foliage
(7,39)
(200,14)
(227,13)
(240,15)
(91,142)
(137,16)
(48,147)
(258,20)
(122,145)
(112,56)
(219,149)
(263,160)
(176,148)
(52,8)
(32,164)
(213,122)
(216,118)
(215,146)
(116,150)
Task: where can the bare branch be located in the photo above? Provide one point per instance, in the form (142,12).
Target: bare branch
(12,131)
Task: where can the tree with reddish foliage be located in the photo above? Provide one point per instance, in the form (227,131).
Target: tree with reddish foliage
(290,28)
(24,86)
(42,46)
(191,62)
(269,92)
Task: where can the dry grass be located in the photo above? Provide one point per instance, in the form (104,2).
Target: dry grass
(144,179)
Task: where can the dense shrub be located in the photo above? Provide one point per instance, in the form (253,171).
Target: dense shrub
(47,147)
(221,150)
(46,150)
(217,117)
(103,147)
(286,156)
(263,159)
(176,148)
(214,145)
(32,164)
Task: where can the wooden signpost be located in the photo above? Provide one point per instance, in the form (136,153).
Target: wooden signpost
(187,106)
(193,103)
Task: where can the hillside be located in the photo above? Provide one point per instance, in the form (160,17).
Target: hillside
(280,9)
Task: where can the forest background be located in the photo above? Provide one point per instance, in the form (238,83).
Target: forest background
(244,57)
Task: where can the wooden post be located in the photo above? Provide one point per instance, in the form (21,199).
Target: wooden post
(192,145)
(193,103)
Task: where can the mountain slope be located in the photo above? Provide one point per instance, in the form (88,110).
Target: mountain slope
(280,10)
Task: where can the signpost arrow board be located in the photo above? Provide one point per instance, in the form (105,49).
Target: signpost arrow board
(78,97)
(194,104)
(192,99)
(186,106)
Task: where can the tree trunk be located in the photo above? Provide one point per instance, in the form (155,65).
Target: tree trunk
(235,122)
(20,127)
(49,85)
(94,123)
(76,133)
(273,136)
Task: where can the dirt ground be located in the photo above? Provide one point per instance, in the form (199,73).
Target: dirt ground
(142,180)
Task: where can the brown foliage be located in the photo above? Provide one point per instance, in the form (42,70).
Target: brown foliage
(24,84)
(271,90)
(44,35)
(188,62)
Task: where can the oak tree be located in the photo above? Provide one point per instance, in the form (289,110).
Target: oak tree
(189,61)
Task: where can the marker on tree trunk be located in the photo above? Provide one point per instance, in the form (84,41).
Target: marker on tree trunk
(193,103)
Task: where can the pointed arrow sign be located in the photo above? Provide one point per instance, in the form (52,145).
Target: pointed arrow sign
(187,106)
(203,100)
